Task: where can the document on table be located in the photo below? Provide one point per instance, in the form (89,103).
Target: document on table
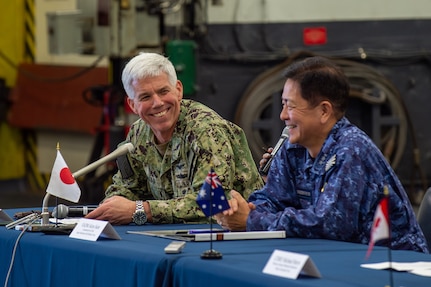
(207,235)
(421,268)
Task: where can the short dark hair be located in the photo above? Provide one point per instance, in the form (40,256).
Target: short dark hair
(320,79)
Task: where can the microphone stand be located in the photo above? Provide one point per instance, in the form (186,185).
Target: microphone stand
(45,211)
(211,253)
(128,147)
(44,215)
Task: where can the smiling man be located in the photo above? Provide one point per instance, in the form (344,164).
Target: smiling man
(177,142)
(327,180)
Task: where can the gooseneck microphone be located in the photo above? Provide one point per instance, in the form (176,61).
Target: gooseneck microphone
(284,136)
(121,150)
(62,211)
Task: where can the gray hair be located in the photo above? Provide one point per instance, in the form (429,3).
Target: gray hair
(146,65)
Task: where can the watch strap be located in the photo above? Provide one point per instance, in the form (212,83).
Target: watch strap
(139,216)
(140,205)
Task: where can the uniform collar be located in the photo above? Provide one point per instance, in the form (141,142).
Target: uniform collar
(326,158)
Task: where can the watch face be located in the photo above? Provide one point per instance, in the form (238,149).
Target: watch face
(139,217)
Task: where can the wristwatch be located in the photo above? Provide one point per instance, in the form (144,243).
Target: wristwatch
(139,217)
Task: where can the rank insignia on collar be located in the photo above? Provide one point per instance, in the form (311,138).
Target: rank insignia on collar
(331,162)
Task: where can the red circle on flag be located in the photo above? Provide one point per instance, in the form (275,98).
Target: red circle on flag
(66,176)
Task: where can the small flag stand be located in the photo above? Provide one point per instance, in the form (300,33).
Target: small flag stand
(381,229)
(211,253)
(391,274)
(212,200)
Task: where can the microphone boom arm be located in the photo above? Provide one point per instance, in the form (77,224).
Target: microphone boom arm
(123,149)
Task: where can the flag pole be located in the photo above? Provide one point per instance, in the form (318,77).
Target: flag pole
(211,253)
(45,212)
(391,275)
(211,223)
(56,198)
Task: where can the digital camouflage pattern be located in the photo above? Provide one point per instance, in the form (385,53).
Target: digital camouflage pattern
(335,195)
(202,139)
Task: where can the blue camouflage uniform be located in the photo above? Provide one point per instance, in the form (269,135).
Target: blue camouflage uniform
(335,195)
(170,183)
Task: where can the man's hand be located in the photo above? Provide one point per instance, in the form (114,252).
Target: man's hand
(117,210)
(265,157)
(235,218)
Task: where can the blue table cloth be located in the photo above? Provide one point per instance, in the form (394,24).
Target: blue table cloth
(140,260)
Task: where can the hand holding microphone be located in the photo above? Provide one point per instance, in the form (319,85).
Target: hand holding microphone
(264,159)
(284,136)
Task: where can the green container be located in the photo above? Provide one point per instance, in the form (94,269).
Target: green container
(182,54)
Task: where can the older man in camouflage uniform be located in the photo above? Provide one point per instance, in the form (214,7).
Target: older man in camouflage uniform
(177,142)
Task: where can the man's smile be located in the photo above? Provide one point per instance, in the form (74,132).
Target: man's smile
(161,114)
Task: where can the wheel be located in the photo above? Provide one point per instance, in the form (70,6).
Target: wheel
(376,107)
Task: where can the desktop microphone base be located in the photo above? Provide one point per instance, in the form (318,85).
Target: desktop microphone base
(211,254)
(54,229)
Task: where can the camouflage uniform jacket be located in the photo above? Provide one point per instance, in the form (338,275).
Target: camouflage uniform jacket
(335,195)
(201,140)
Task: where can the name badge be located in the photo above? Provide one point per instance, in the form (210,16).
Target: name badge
(303,193)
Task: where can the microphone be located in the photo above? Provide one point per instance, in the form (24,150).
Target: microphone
(63,211)
(284,136)
(121,150)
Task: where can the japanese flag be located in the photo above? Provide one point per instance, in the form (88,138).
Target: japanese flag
(380,229)
(62,183)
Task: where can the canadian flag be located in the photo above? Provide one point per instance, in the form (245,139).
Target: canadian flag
(380,229)
(62,183)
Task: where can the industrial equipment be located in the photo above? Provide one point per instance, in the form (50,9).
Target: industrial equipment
(229,55)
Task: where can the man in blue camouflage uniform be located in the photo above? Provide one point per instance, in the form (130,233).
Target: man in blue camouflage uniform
(176,142)
(327,180)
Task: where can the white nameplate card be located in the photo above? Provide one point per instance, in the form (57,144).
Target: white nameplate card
(290,265)
(92,229)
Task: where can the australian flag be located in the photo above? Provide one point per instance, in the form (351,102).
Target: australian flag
(211,197)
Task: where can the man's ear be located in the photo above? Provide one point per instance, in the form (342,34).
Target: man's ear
(180,88)
(327,111)
(131,104)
